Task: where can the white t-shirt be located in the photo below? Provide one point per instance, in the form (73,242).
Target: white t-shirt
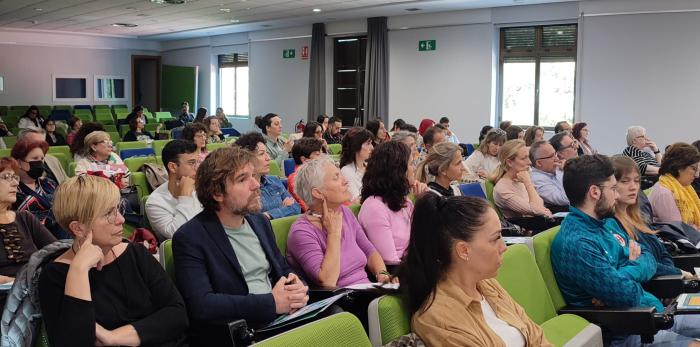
(510,336)
(354,178)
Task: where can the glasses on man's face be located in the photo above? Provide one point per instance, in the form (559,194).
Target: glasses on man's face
(602,187)
(113,213)
(192,162)
(547,157)
(9,177)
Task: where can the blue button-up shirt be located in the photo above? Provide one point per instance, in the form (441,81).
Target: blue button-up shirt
(272,193)
(590,259)
(550,187)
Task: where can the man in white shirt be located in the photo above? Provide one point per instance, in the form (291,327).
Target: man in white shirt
(173,204)
(546,176)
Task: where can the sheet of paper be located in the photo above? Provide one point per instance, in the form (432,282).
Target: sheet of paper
(316,306)
(365,286)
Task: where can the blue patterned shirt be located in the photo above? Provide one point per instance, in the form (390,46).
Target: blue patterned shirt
(272,193)
(590,259)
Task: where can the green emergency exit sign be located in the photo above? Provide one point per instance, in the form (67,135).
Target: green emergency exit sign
(288,53)
(426,45)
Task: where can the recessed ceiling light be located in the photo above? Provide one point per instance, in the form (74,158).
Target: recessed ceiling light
(226,10)
(124,25)
(317,10)
(38,9)
(234,20)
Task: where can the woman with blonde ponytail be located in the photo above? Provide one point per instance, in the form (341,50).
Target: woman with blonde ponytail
(441,167)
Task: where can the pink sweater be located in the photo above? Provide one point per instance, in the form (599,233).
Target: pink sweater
(388,231)
(512,198)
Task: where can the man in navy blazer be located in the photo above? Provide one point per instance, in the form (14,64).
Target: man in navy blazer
(227,264)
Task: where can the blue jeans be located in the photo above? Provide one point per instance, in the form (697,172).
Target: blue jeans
(686,328)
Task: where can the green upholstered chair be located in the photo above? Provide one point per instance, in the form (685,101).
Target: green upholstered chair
(110,128)
(42,339)
(280,227)
(10,141)
(61,149)
(355,209)
(65,161)
(388,320)
(521,278)
(488,187)
(151,127)
(135,163)
(160,116)
(138,179)
(214,146)
(114,136)
(338,330)
(131,145)
(275,169)
(166,258)
(104,118)
(335,148)
(158,146)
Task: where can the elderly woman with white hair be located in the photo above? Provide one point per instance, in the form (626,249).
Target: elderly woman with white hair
(645,153)
(327,244)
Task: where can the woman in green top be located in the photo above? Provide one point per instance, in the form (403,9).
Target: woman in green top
(277,147)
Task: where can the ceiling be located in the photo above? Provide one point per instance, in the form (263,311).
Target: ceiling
(197,18)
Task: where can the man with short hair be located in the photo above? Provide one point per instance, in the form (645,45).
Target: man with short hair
(227,264)
(562,126)
(450,136)
(546,176)
(565,146)
(174,203)
(595,262)
(332,134)
(52,166)
(185,115)
(431,137)
(307,148)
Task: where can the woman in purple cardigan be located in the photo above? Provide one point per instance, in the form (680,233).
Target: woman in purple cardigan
(386,210)
(327,243)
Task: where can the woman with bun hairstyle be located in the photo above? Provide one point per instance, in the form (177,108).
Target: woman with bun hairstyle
(277,147)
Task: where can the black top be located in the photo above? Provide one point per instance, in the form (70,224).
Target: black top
(33,237)
(134,136)
(133,289)
(440,189)
(60,140)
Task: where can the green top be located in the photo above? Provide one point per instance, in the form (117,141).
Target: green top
(276,150)
(251,257)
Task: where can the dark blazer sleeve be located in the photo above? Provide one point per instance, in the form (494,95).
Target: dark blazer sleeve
(199,266)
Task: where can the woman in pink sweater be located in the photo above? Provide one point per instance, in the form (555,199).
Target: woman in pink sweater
(386,211)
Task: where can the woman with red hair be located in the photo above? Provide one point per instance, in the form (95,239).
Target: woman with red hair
(35,193)
(22,234)
(424,125)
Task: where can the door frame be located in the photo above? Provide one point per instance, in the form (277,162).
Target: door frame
(136,58)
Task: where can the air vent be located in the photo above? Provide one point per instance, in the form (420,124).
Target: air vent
(412,9)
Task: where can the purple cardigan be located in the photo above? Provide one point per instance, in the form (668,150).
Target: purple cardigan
(306,247)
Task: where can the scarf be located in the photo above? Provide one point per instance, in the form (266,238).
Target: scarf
(686,199)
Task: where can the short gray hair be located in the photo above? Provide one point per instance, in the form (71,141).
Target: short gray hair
(311,175)
(535,150)
(401,136)
(28,131)
(633,132)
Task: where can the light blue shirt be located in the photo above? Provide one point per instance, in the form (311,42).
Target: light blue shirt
(550,187)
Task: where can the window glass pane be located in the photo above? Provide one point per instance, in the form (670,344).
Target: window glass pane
(518,91)
(557,83)
(519,37)
(228,89)
(242,91)
(559,36)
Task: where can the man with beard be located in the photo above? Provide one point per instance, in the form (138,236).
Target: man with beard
(594,261)
(227,264)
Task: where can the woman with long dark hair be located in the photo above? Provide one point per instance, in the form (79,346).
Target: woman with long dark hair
(386,211)
(315,130)
(376,127)
(31,119)
(447,277)
(357,148)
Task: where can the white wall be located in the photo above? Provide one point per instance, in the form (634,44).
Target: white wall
(640,69)
(452,81)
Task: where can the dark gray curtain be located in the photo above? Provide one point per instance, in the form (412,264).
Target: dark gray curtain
(317,72)
(376,99)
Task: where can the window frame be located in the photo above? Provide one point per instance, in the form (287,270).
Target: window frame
(537,53)
(237,64)
(359,81)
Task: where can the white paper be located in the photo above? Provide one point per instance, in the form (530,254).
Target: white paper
(365,286)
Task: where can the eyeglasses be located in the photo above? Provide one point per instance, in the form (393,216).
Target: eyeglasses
(201,136)
(602,187)
(9,177)
(113,213)
(11,240)
(547,157)
(192,162)
(108,143)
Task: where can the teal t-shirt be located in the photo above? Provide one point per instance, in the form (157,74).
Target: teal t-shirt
(251,257)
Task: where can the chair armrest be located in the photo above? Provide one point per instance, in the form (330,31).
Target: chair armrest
(665,287)
(625,321)
(687,262)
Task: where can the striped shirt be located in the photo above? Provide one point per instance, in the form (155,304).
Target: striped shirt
(640,157)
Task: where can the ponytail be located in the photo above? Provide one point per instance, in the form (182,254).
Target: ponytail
(263,122)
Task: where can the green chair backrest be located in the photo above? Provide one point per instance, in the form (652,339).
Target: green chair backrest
(111,128)
(10,141)
(85,117)
(521,278)
(142,204)
(339,330)
(61,149)
(71,169)
(114,136)
(335,148)
(135,163)
(138,179)
(151,127)
(393,320)
(131,145)
(280,227)
(542,243)
(42,340)
(163,115)
(5,152)
(275,169)
(488,187)
(158,146)
(123,129)
(101,107)
(104,119)
(166,258)
(63,159)
(355,208)
(214,146)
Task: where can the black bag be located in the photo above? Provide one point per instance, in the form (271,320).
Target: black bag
(685,237)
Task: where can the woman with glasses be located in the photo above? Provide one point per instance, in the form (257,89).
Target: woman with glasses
(22,234)
(35,191)
(104,291)
(197,133)
(315,130)
(386,211)
(52,137)
(673,197)
(645,153)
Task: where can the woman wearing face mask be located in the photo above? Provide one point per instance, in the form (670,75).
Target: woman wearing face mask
(35,191)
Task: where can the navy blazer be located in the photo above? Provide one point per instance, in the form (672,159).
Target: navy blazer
(209,276)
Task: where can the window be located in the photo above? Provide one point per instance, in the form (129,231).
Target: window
(110,88)
(233,84)
(538,74)
(2,84)
(349,79)
(70,88)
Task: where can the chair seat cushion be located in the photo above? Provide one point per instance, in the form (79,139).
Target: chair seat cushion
(571,330)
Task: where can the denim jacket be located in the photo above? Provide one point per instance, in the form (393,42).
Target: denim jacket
(272,193)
